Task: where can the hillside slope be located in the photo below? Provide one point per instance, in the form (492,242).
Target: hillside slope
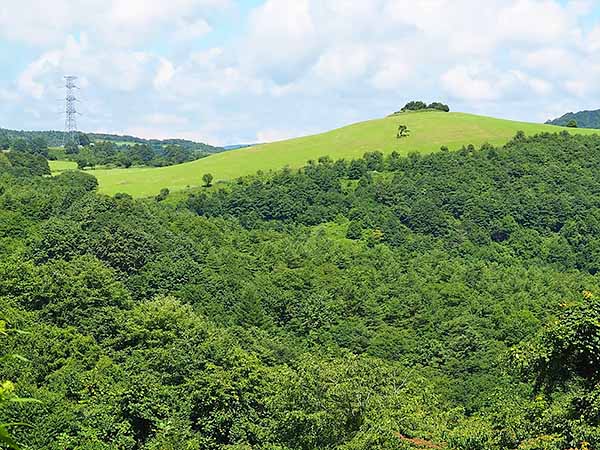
(428,131)
(584,119)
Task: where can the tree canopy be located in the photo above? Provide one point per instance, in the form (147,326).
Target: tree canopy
(447,300)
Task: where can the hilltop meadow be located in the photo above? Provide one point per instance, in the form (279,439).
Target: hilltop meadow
(428,132)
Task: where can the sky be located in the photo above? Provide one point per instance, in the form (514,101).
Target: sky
(229,72)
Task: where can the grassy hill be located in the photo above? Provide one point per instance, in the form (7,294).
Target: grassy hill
(428,131)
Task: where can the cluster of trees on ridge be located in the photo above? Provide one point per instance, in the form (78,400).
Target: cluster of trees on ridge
(418,105)
(448,300)
(88,154)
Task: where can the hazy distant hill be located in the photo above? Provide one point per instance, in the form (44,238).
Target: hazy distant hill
(56,138)
(585,119)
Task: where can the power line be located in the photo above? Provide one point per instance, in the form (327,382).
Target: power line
(71,112)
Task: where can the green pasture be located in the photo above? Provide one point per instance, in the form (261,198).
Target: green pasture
(428,132)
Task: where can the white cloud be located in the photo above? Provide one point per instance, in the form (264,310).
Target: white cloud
(116,69)
(310,63)
(8,95)
(164,73)
(189,31)
(593,39)
(273,135)
(576,87)
(165,119)
(391,75)
(482,83)
(467,83)
(282,39)
(343,63)
(120,22)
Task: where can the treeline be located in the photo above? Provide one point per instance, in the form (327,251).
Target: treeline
(58,138)
(109,154)
(443,301)
(418,105)
(581,119)
(90,155)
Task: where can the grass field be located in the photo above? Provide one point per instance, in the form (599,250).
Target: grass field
(428,132)
(61,166)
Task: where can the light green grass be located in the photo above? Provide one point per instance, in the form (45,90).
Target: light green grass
(61,166)
(428,132)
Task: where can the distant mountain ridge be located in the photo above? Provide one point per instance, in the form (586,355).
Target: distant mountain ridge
(584,119)
(56,138)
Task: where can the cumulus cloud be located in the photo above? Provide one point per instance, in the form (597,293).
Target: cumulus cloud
(468,83)
(482,83)
(302,64)
(120,22)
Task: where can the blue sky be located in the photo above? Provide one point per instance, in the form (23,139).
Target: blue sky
(226,71)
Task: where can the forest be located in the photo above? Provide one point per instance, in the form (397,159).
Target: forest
(109,154)
(447,300)
(583,119)
(58,138)
(88,154)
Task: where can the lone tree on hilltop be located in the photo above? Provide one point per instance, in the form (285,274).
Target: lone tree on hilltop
(572,123)
(403,131)
(207,178)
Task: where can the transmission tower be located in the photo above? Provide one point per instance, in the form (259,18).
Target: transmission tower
(70,135)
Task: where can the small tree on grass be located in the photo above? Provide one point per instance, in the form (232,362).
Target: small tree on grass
(207,178)
(572,123)
(403,131)
(164,193)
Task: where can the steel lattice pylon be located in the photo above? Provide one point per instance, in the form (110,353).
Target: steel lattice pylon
(70,110)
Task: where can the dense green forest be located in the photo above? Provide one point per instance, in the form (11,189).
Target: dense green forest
(583,119)
(105,153)
(58,138)
(108,154)
(448,300)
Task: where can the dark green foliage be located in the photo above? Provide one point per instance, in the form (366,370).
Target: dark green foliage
(419,106)
(163,194)
(572,123)
(403,131)
(57,138)
(4,141)
(584,119)
(370,304)
(414,106)
(110,154)
(27,163)
(207,179)
(84,140)
(21,146)
(39,147)
(439,106)
(71,148)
